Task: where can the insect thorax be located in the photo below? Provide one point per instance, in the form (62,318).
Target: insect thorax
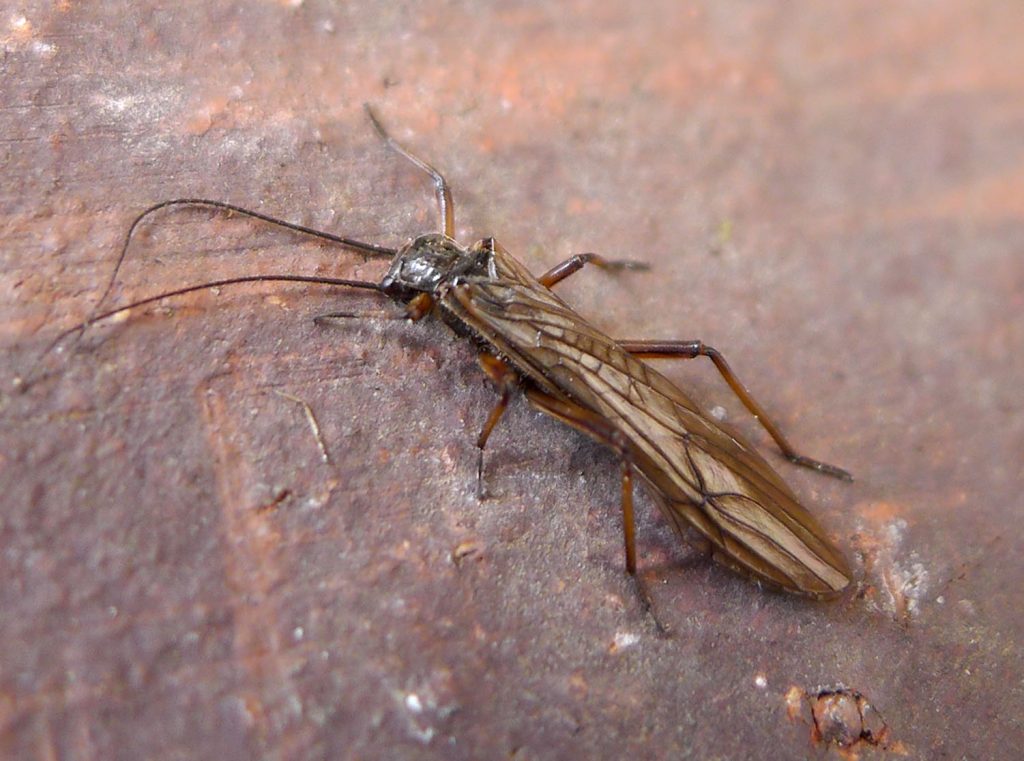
(428,263)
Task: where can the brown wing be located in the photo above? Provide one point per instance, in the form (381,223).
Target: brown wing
(700,473)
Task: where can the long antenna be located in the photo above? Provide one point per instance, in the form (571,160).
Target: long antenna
(369,249)
(366,248)
(23,385)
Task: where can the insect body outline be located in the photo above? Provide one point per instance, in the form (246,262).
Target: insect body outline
(700,475)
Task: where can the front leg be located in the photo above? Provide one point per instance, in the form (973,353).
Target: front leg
(506,381)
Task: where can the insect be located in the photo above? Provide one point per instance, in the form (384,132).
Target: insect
(700,475)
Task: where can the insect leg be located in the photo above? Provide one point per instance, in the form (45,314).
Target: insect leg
(605,432)
(602,430)
(331,318)
(444,195)
(505,381)
(575,263)
(691,349)
(415,310)
(628,521)
(419,307)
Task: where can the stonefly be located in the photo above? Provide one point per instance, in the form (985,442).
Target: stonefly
(700,475)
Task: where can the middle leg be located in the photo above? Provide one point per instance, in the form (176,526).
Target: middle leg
(605,432)
(505,381)
(602,430)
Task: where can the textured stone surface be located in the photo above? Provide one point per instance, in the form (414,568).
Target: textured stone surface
(831,196)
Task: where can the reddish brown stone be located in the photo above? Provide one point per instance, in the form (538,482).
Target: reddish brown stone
(830,195)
